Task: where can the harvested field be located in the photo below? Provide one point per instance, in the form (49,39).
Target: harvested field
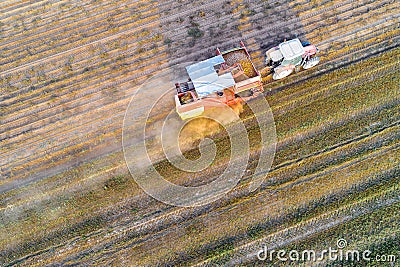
(68,70)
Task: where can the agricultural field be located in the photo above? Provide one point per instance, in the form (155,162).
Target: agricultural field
(68,70)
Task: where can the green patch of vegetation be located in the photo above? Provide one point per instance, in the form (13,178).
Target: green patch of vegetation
(195,32)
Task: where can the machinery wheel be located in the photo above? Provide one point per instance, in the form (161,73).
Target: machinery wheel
(282,74)
(311,63)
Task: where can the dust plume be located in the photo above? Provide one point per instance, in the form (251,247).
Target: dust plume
(199,128)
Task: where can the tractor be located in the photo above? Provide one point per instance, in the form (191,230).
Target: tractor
(290,56)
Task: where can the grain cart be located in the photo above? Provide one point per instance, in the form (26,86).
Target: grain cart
(225,79)
(289,56)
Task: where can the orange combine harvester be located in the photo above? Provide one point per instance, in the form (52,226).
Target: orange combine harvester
(226,79)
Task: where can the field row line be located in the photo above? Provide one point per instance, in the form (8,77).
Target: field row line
(63,96)
(17,8)
(95,177)
(22,113)
(124,24)
(129,243)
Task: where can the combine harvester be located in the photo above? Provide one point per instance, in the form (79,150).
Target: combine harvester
(226,79)
(230,77)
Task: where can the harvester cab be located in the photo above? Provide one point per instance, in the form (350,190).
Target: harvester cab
(289,56)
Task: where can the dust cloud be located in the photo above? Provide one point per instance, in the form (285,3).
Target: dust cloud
(199,128)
